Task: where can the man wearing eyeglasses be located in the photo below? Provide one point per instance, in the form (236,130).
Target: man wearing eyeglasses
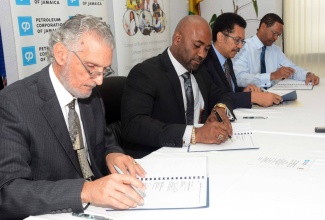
(263,63)
(55,150)
(228,35)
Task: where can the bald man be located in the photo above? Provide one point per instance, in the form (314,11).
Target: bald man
(157,107)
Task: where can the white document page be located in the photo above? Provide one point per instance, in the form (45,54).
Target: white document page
(282,163)
(243,138)
(173,183)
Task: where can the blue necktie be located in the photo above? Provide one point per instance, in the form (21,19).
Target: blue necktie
(263,68)
(189,99)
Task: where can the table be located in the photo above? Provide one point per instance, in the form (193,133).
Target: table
(240,190)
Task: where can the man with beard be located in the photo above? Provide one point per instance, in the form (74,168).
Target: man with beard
(262,63)
(55,150)
(228,35)
(167,95)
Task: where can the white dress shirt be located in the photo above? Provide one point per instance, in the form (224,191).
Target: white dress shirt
(198,99)
(64,98)
(247,65)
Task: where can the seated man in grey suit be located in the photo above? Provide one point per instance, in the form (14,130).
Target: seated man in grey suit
(167,95)
(50,161)
(228,36)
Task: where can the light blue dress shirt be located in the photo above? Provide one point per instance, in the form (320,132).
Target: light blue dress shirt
(247,65)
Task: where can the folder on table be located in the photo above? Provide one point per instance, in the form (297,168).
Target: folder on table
(290,96)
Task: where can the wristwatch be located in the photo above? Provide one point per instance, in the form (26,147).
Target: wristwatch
(193,139)
(220,105)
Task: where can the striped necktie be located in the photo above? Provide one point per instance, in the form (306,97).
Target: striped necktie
(189,98)
(227,72)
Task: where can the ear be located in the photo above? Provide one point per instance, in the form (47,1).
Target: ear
(220,37)
(263,27)
(60,53)
(177,38)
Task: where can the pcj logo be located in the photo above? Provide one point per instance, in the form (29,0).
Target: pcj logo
(73,2)
(29,55)
(22,2)
(25,25)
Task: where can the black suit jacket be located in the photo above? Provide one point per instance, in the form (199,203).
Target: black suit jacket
(153,112)
(241,99)
(39,170)
(1,83)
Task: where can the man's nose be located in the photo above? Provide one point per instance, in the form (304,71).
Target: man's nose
(99,80)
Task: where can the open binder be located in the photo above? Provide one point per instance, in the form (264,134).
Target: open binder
(243,138)
(292,84)
(175,183)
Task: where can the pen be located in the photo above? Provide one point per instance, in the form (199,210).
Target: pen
(263,90)
(290,76)
(254,117)
(220,119)
(140,192)
(88,216)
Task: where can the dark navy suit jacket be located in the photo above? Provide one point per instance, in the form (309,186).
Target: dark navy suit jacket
(218,76)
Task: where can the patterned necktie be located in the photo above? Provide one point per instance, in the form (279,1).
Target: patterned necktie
(227,72)
(263,68)
(189,98)
(77,141)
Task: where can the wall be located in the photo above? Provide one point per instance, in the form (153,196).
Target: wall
(8,41)
(210,7)
(178,10)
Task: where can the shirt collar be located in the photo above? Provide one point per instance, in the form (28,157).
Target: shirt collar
(180,70)
(257,42)
(62,94)
(221,58)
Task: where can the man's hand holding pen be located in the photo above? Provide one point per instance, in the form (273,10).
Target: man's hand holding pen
(214,131)
(282,73)
(116,190)
(113,191)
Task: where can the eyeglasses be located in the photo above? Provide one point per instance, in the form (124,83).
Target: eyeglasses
(275,34)
(236,40)
(94,74)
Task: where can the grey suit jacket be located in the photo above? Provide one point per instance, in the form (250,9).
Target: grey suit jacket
(39,170)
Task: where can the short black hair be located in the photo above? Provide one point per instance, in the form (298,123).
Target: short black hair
(270,19)
(226,22)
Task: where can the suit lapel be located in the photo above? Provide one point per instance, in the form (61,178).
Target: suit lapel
(204,92)
(52,112)
(232,75)
(88,123)
(174,80)
(218,66)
